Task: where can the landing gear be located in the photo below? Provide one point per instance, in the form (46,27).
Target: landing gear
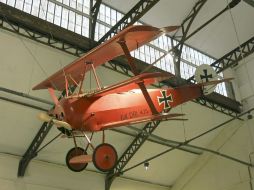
(76,167)
(104,157)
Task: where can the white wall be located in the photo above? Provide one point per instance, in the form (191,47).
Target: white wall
(213,172)
(47,176)
(245,81)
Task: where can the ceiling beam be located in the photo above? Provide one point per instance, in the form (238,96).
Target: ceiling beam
(16,21)
(232,58)
(130,18)
(146,131)
(34,28)
(183,30)
(185,26)
(94,10)
(250,2)
(151,126)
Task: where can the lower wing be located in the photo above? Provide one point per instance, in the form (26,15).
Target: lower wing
(163,117)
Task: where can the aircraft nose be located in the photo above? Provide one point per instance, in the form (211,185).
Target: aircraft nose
(58,113)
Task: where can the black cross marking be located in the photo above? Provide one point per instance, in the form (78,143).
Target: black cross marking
(165,99)
(206,76)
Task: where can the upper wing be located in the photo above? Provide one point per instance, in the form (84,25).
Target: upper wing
(134,36)
(129,84)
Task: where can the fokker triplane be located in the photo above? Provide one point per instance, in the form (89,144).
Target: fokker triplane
(125,103)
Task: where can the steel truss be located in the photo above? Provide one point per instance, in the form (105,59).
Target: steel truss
(41,38)
(73,50)
(232,58)
(130,151)
(76,50)
(31,152)
(130,18)
(177,50)
(185,26)
(93,14)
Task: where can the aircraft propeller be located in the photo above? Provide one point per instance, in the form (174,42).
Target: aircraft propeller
(46,118)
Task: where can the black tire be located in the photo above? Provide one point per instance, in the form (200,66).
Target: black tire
(105,157)
(72,153)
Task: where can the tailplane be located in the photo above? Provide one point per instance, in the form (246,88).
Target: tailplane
(206,76)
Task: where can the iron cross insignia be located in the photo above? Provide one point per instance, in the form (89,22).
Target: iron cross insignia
(206,76)
(165,99)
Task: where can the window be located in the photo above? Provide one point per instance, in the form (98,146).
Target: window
(35,8)
(51,12)
(65,17)
(74,15)
(78,24)
(58,14)
(19,3)
(43,9)
(28,6)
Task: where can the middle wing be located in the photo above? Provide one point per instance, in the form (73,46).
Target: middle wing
(134,36)
(132,83)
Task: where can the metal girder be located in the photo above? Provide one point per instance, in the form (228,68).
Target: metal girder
(185,26)
(68,42)
(250,2)
(232,58)
(31,152)
(134,14)
(130,18)
(152,138)
(151,126)
(130,151)
(62,41)
(144,134)
(94,10)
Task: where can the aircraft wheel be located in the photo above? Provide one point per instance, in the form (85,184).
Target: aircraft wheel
(72,153)
(104,157)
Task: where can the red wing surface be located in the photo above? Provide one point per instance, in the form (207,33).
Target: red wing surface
(134,36)
(127,85)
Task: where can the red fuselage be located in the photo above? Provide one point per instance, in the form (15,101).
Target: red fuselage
(98,113)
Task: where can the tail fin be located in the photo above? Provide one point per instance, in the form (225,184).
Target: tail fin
(206,76)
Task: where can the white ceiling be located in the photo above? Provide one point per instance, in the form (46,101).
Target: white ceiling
(216,39)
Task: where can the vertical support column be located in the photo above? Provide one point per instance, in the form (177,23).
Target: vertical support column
(35,144)
(94,10)
(185,26)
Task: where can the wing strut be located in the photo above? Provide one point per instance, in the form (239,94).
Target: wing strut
(136,72)
(83,78)
(96,77)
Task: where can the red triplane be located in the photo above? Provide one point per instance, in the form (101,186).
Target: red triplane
(125,103)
